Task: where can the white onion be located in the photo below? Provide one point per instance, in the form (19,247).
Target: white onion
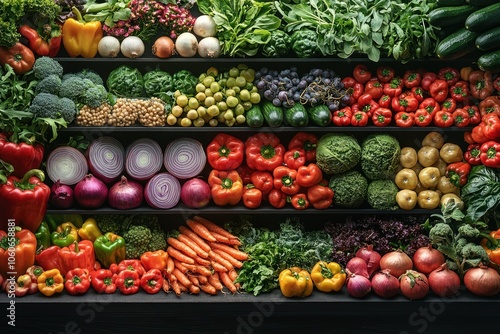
(204,26)
(108,47)
(186,44)
(209,47)
(132,47)
(184,158)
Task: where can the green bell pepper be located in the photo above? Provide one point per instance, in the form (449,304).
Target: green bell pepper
(58,219)
(64,235)
(109,248)
(42,235)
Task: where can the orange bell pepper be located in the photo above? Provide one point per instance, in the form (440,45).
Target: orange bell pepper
(226,187)
(50,282)
(17,251)
(154,260)
(491,245)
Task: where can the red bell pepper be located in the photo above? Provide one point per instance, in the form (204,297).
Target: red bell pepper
(226,187)
(460,117)
(439,90)
(225,152)
(252,197)
(404,119)
(449,105)
(263,181)
(19,57)
(277,198)
(359,118)
(404,102)
(46,43)
(477,133)
(306,141)
(294,158)
(15,193)
(458,172)
(473,154)
(263,151)
(490,154)
(449,74)
(496,84)
(19,287)
(365,103)
(460,91)
(427,79)
(299,201)
(412,79)
(385,74)
(422,117)
(152,281)
(342,117)
(285,180)
(374,88)
(481,84)
(17,250)
(418,93)
(431,105)
(128,264)
(77,281)
(77,255)
(394,87)
(382,117)
(49,258)
(491,126)
(443,119)
(34,271)
(474,115)
(354,88)
(348,82)
(384,101)
(468,137)
(128,282)
(320,195)
(361,73)
(490,105)
(245,173)
(309,175)
(22,156)
(103,281)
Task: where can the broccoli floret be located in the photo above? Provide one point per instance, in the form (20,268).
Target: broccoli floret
(441,233)
(143,233)
(474,253)
(110,223)
(137,239)
(95,96)
(73,88)
(67,109)
(469,232)
(459,244)
(68,75)
(158,241)
(50,84)
(45,105)
(91,75)
(45,66)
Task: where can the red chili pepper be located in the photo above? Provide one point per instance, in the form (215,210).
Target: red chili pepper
(430,105)
(103,281)
(152,281)
(77,281)
(443,119)
(382,117)
(361,73)
(285,179)
(474,115)
(128,282)
(439,90)
(263,181)
(460,91)
(309,175)
(359,118)
(393,88)
(449,74)
(404,119)
(294,158)
(449,105)
(412,78)
(491,126)
(342,117)
(385,73)
(306,141)
(277,198)
(422,117)
(299,201)
(427,79)
(419,93)
(473,154)
(490,154)
(404,102)
(460,117)
(252,196)
(374,88)
(458,172)
(384,101)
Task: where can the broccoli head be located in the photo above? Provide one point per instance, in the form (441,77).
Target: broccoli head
(143,233)
(45,66)
(91,75)
(50,84)
(111,223)
(474,254)
(45,105)
(137,239)
(469,232)
(66,109)
(74,87)
(95,96)
(441,233)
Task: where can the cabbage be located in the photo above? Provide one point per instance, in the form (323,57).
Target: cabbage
(125,81)
(337,153)
(380,156)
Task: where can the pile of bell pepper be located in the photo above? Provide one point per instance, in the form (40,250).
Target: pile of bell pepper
(450,97)
(263,169)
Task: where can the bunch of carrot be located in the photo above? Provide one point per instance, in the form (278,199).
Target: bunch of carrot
(203,257)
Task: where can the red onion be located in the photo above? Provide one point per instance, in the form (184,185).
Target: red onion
(125,194)
(358,286)
(426,259)
(66,164)
(371,257)
(357,266)
(61,196)
(144,159)
(414,285)
(163,191)
(105,157)
(90,192)
(184,158)
(397,262)
(482,281)
(384,284)
(195,193)
(444,282)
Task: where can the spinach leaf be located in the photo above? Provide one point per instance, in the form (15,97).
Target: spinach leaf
(481,194)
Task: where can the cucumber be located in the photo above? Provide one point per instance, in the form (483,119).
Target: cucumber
(481,3)
(444,32)
(273,115)
(484,19)
(490,61)
(457,44)
(447,16)
(450,3)
(488,40)
(254,117)
(296,116)
(320,115)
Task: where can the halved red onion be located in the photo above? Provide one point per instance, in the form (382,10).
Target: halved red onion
(184,158)
(162,191)
(66,164)
(105,157)
(144,158)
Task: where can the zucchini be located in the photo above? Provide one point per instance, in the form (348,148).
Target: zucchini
(296,116)
(447,16)
(489,61)
(254,117)
(457,44)
(483,19)
(481,3)
(488,40)
(450,3)
(273,115)
(444,32)
(320,115)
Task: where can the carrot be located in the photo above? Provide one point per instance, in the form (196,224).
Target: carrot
(174,284)
(220,237)
(181,278)
(214,280)
(212,227)
(173,252)
(201,230)
(233,275)
(217,258)
(194,280)
(203,279)
(194,289)
(179,265)
(203,262)
(198,269)
(226,256)
(166,285)
(218,267)
(237,254)
(226,280)
(180,246)
(208,289)
(193,245)
(182,287)
(193,236)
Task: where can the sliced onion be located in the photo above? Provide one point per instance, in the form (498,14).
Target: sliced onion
(66,164)
(163,191)
(184,158)
(105,157)
(144,159)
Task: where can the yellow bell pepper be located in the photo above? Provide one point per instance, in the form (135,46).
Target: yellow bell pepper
(295,282)
(50,282)
(81,38)
(89,230)
(328,277)
(64,235)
